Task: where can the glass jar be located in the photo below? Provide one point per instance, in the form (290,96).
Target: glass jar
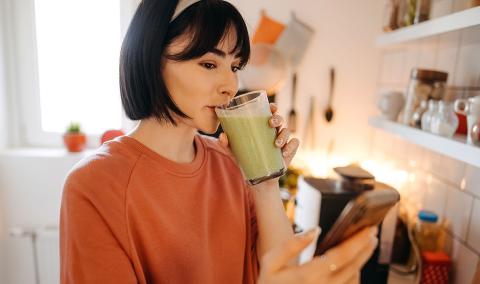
(418,113)
(445,121)
(422,12)
(423,85)
(390,16)
(427,116)
(410,8)
(427,231)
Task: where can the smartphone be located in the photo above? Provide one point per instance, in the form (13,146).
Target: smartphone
(367,209)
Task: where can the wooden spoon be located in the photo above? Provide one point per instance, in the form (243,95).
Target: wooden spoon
(329,110)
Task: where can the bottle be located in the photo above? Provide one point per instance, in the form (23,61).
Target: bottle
(422,12)
(445,121)
(427,116)
(427,231)
(410,12)
(416,120)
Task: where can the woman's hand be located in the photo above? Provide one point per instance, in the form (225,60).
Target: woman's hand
(341,264)
(289,148)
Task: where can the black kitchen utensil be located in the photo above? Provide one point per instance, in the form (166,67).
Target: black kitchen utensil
(329,110)
(292,116)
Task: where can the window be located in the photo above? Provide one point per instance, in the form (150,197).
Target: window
(64,57)
(78,46)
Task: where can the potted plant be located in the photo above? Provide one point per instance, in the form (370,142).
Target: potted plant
(74,139)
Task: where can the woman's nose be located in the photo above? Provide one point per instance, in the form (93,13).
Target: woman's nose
(230,86)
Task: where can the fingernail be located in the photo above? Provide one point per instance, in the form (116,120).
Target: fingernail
(279,142)
(374,231)
(374,241)
(274,120)
(285,153)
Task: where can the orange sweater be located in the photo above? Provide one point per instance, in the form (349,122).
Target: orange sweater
(130,215)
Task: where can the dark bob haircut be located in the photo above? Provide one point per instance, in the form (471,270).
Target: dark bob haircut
(207,22)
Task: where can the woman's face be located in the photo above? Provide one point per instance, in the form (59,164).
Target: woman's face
(198,85)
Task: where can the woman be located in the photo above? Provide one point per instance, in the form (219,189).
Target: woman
(164,204)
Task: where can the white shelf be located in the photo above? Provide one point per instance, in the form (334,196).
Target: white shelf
(455,148)
(452,22)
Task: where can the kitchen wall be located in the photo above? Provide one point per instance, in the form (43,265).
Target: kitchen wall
(3,133)
(344,38)
(30,183)
(31,180)
(444,185)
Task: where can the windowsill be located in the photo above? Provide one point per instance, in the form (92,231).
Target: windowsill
(38,152)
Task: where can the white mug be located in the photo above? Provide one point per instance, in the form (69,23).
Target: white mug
(390,104)
(471,108)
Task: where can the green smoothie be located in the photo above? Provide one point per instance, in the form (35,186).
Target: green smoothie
(252,142)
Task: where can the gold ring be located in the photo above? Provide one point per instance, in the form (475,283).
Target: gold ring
(331,266)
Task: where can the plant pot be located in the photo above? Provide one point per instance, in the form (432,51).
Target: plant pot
(75,142)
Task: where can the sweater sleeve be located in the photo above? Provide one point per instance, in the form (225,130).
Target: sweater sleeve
(90,250)
(254,265)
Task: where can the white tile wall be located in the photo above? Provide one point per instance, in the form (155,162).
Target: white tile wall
(472,180)
(451,170)
(447,54)
(415,155)
(440,8)
(442,184)
(411,60)
(474,229)
(436,196)
(432,162)
(428,53)
(468,65)
(459,206)
(460,5)
(393,61)
(465,263)
(416,195)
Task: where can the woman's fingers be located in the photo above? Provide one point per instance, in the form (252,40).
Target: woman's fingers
(342,263)
(349,273)
(223,139)
(280,256)
(273,108)
(348,251)
(276,121)
(355,279)
(282,137)
(289,150)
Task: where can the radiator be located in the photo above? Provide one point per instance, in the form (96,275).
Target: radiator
(45,252)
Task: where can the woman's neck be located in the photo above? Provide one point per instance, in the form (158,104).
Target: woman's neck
(175,143)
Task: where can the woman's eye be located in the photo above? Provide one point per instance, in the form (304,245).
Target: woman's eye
(236,68)
(208,65)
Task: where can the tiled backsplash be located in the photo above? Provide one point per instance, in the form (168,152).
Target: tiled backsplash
(449,187)
(445,186)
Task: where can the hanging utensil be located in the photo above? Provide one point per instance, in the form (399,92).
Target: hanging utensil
(292,116)
(310,134)
(329,110)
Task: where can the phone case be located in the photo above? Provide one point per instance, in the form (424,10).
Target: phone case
(367,209)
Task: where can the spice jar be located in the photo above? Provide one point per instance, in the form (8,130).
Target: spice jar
(423,85)
(427,231)
(445,121)
(427,116)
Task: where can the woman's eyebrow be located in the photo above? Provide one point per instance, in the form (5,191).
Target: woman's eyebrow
(221,53)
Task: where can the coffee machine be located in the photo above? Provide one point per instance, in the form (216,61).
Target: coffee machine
(319,202)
